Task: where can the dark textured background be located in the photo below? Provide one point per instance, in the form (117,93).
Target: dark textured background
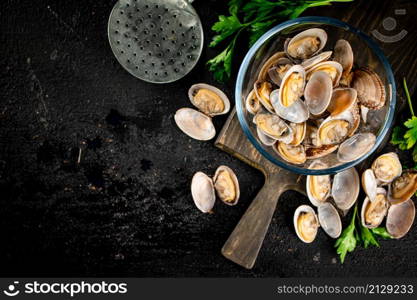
(126,209)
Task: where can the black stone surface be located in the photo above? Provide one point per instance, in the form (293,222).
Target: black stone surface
(125,209)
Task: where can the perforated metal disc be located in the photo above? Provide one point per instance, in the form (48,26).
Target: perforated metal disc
(157,41)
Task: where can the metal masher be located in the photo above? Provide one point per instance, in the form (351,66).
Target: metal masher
(158,41)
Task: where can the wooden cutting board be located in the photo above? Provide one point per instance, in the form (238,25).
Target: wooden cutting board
(244,243)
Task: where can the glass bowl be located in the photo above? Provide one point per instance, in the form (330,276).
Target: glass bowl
(366,54)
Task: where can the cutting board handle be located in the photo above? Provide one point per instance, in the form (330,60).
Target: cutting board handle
(243,245)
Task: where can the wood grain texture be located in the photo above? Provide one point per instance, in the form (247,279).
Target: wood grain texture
(244,243)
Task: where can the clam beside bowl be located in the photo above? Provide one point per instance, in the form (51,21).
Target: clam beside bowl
(278,56)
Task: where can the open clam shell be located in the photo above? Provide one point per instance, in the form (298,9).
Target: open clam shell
(329,220)
(345,188)
(318,187)
(403,187)
(252,103)
(195,124)
(263,91)
(209,99)
(226,185)
(387,167)
(292,86)
(332,68)
(371,90)
(342,99)
(266,140)
(374,212)
(306,223)
(400,218)
(333,130)
(272,126)
(369,184)
(296,113)
(275,59)
(356,146)
(307,43)
(320,151)
(299,132)
(318,92)
(343,54)
(311,62)
(277,71)
(202,191)
(293,154)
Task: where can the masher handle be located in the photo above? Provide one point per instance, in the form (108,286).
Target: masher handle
(243,245)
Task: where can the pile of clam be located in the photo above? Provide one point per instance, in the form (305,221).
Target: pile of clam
(210,102)
(224,184)
(329,195)
(308,103)
(388,195)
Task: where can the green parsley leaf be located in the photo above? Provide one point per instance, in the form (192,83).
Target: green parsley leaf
(411,134)
(368,238)
(382,232)
(347,241)
(234,6)
(225,27)
(221,65)
(397,137)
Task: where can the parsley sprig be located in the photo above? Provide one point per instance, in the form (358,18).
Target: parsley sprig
(254,17)
(356,234)
(405,137)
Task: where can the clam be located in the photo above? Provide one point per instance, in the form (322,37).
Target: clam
(369,184)
(374,212)
(306,43)
(371,91)
(266,140)
(342,99)
(296,113)
(286,101)
(263,91)
(272,126)
(299,132)
(387,167)
(209,99)
(400,218)
(356,146)
(333,131)
(318,187)
(306,223)
(329,220)
(332,68)
(343,54)
(277,72)
(403,187)
(276,59)
(195,124)
(252,103)
(311,139)
(345,188)
(355,118)
(226,185)
(311,62)
(292,86)
(318,92)
(292,154)
(202,191)
(364,113)
(320,151)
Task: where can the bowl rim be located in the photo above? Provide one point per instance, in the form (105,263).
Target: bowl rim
(319,20)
